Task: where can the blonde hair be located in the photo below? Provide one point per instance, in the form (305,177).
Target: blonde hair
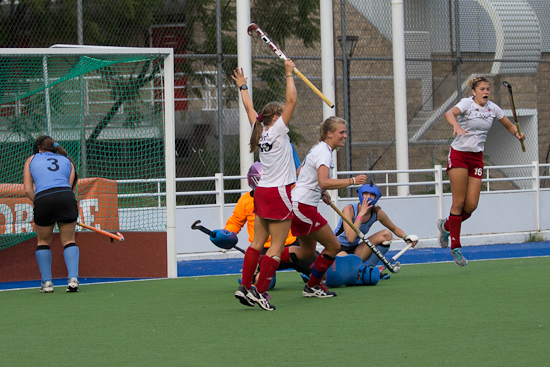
(329,125)
(266,118)
(472,83)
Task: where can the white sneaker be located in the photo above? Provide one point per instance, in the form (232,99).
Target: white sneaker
(262,299)
(72,285)
(46,287)
(319,291)
(443,234)
(459,259)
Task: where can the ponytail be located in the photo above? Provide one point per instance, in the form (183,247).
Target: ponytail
(264,119)
(255,137)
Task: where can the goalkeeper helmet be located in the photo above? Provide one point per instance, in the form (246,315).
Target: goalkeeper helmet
(254,174)
(370,189)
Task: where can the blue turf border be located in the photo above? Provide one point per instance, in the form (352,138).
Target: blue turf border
(418,256)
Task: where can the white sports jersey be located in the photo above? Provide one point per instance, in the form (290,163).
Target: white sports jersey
(307,190)
(276,156)
(477,121)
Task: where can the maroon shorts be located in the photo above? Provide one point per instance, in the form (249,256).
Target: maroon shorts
(473,162)
(306,219)
(273,202)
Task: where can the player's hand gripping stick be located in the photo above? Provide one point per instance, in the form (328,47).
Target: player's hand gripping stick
(254,28)
(393,268)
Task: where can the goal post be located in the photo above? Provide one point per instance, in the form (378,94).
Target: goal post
(112,109)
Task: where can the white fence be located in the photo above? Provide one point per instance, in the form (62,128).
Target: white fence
(505,216)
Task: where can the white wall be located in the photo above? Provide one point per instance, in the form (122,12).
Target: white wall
(502,217)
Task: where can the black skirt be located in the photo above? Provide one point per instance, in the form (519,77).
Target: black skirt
(57,205)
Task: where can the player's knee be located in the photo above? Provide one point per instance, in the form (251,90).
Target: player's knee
(457,207)
(307,253)
(387,235)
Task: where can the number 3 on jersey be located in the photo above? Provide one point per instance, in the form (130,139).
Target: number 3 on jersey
(54,164)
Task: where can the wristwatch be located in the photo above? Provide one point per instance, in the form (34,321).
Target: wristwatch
(243,87)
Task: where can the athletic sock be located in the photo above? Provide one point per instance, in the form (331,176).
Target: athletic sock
(285,256)
(320,267)
(250,262)
(268,267)
(44,258)
(465,215)
(373,260)
(455,221)
(71,253)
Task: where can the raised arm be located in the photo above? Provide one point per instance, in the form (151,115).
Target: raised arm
(291,94)
(240,80)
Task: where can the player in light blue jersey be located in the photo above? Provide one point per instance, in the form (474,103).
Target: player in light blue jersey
(49,179)
(364,214)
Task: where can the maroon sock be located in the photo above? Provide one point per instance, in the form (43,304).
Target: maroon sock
(250,262)
(268,267)
(455,221)
(465,215)
(446,225)
(320,267)
(285,256)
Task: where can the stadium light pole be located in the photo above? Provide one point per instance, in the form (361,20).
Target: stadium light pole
(348,44)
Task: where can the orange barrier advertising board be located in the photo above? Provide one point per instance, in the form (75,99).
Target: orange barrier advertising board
(97,206)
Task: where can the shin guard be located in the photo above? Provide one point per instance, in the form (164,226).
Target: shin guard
(455,222)
(268,267)
(250,262)
(320,267)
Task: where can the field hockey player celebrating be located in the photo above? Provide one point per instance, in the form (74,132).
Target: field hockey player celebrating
(244,214)
(307,223)
(471,119)
(272,203)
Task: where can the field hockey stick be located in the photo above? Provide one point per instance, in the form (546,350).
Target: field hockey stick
(396,256)
(254,28)
(118,236)
(509,86)
(205,230)
(393,268)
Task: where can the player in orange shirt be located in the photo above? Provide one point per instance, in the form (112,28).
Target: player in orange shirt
(243,213)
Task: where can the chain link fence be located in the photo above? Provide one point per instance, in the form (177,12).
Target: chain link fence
(447,43)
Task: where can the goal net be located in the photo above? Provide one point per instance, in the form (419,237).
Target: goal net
(109,108)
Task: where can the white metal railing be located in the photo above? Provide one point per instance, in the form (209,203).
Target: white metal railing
(437,183)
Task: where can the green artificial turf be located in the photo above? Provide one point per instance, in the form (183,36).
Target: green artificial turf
(489,313)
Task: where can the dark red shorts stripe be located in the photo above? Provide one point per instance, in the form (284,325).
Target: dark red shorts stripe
(273,202)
